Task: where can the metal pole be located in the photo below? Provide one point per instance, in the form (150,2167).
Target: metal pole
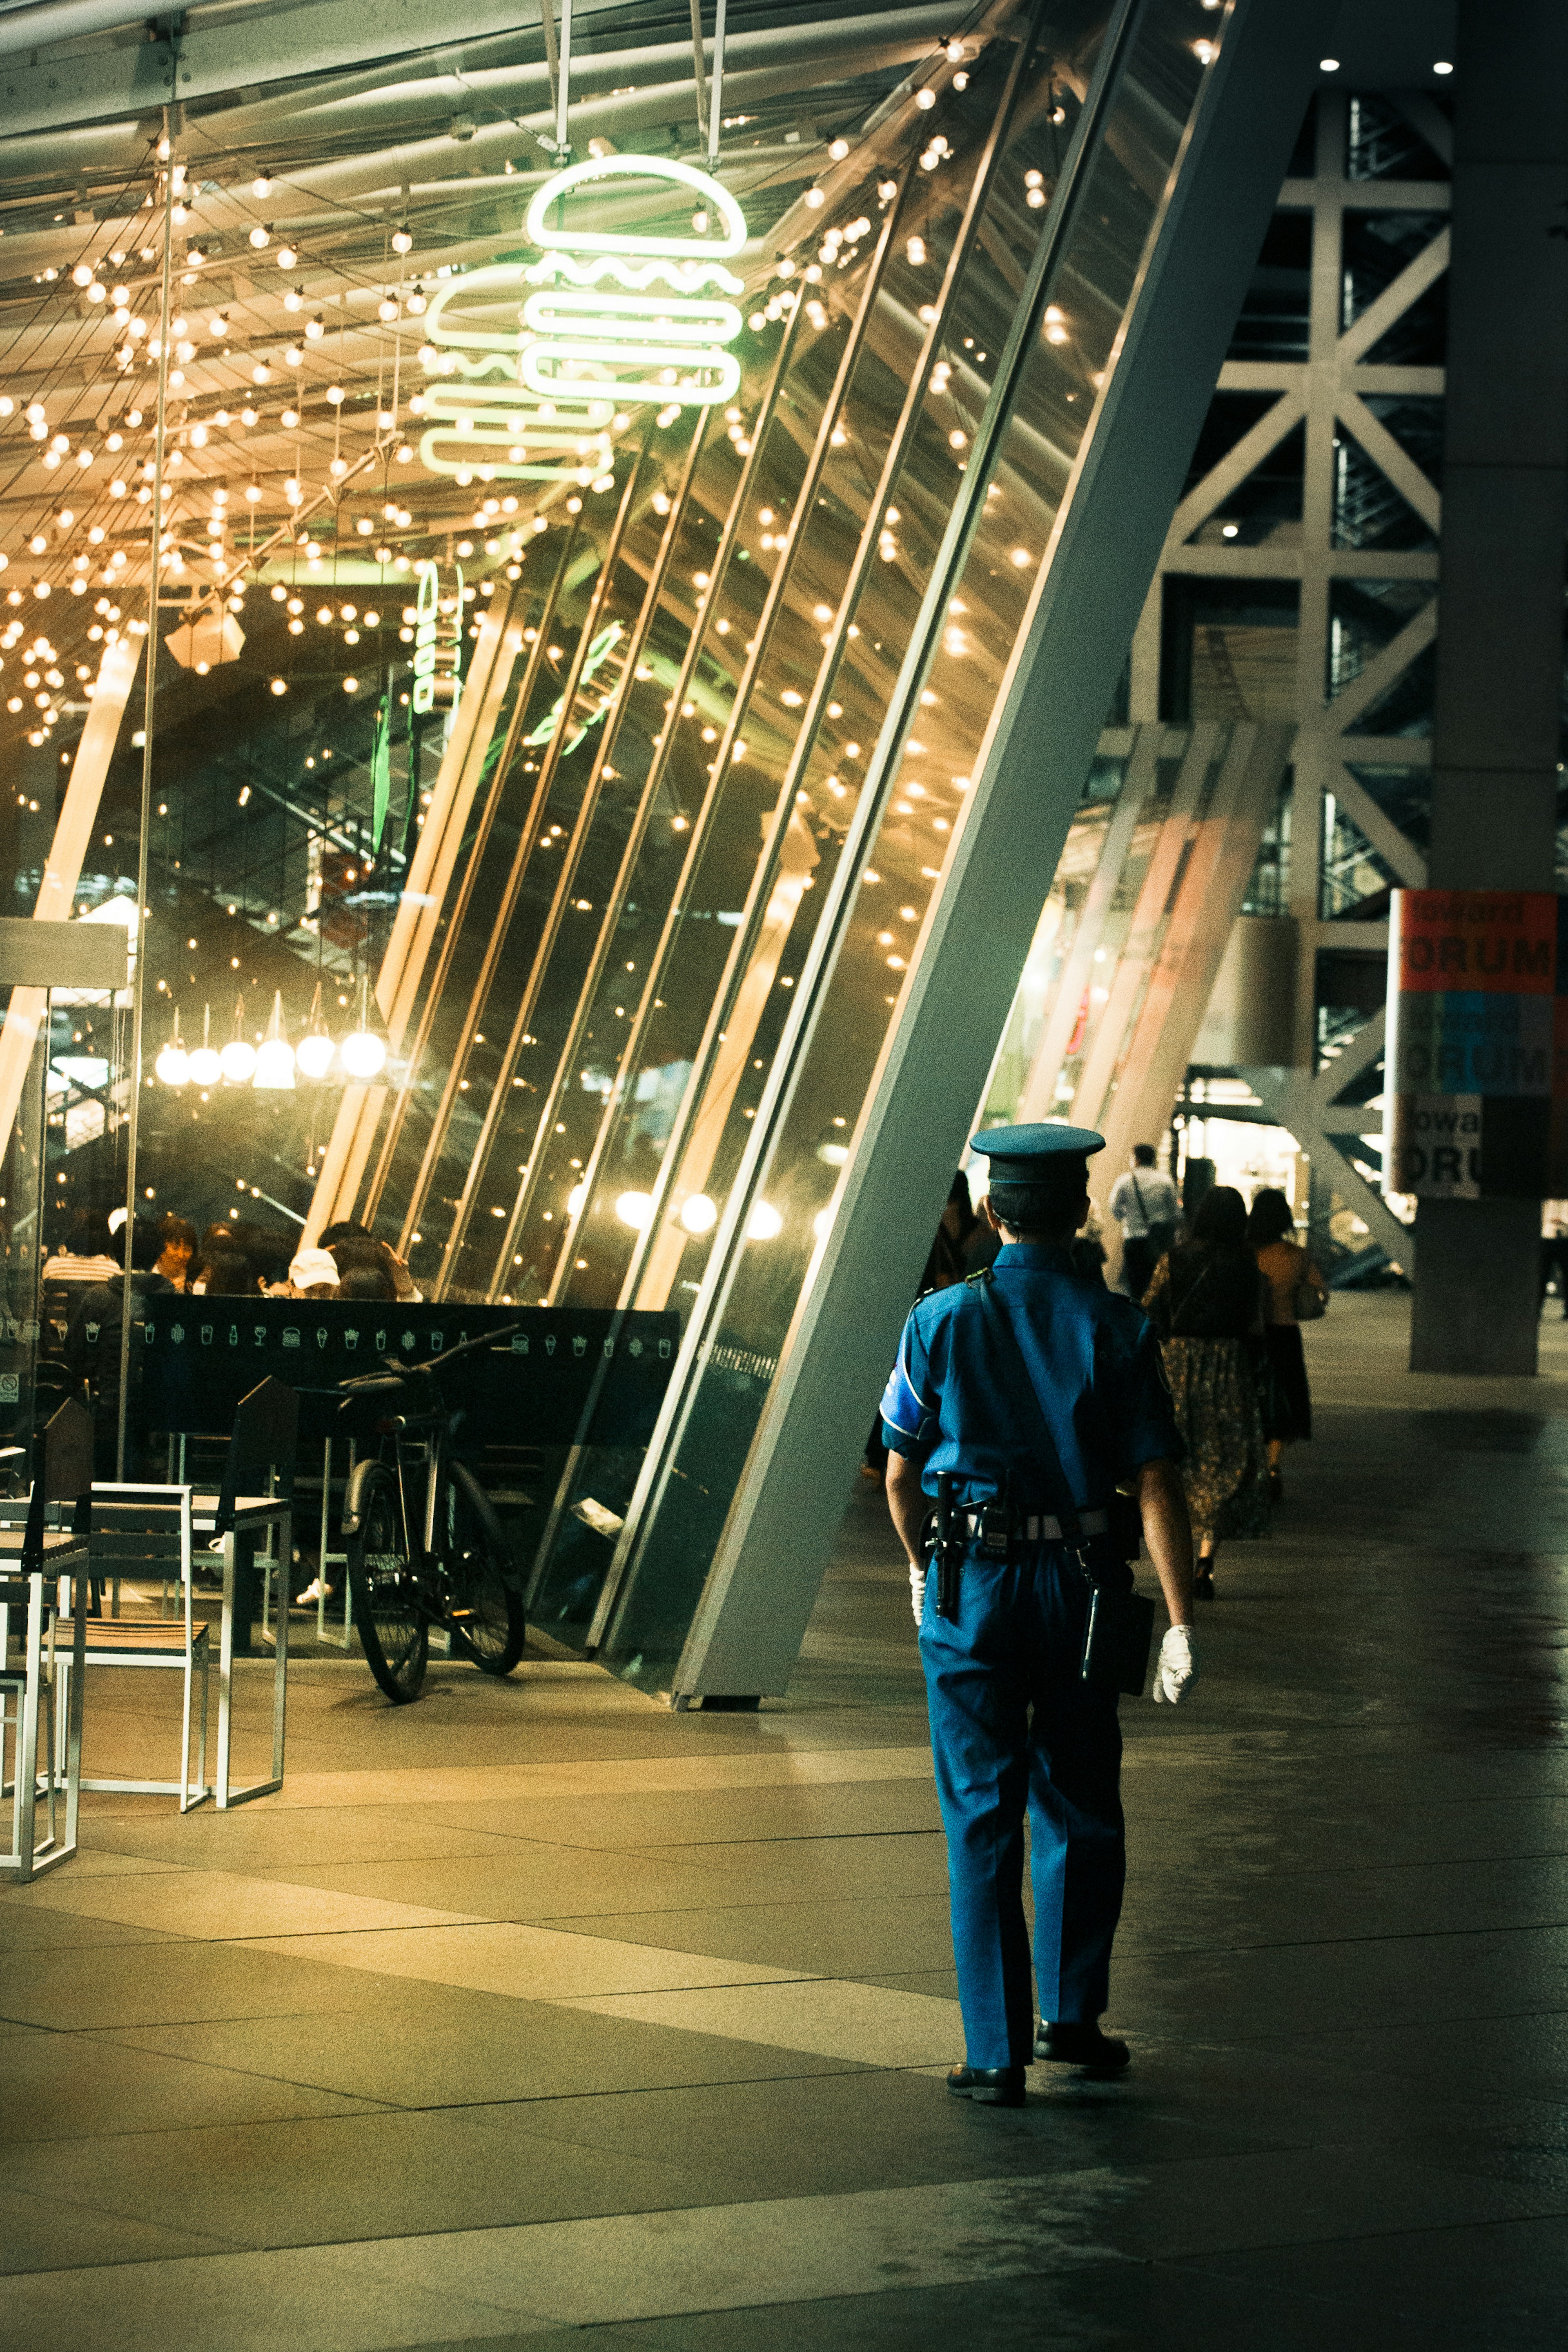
(703,134)
(563,88)
(716,88)
(149,699)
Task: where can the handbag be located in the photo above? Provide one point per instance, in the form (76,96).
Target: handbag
(1310,1304)
(1119,1630)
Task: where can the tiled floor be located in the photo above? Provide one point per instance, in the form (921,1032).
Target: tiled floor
(536,2014)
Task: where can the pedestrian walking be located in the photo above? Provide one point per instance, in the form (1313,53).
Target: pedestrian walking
(1143,1202)
(1025,1399)
(1554,1253)
(1208,1304)
(1296,1288)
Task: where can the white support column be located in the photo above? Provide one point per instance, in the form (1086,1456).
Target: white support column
(62,870)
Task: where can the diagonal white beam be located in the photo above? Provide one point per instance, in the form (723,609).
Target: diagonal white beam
(62,870)
(1386,454)
(1237,464)
(1382,834)
(1383,669)
(1395,300)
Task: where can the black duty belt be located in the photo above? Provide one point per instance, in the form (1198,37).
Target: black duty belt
(1043,1528)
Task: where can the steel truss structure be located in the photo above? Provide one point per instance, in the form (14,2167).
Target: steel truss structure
(1350,398)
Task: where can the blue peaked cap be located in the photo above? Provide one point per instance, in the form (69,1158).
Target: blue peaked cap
(1021,1155)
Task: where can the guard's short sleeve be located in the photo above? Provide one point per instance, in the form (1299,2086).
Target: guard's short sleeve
(1144,1417)
(909,1419)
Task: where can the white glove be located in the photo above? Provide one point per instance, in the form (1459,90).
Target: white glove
(1177,1668)
(918,1589)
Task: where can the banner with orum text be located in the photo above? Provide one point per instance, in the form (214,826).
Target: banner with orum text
(1476,1063)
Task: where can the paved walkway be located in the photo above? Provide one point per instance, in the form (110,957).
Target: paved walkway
(532,2014)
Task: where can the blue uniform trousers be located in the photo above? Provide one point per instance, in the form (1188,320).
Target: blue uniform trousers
(1012,1729)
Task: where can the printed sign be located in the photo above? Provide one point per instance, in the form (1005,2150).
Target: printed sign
(1476,1062)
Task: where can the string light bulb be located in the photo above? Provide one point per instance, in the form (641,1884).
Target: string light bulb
(238,1061)
(206,1066)
(173,1063)
(275,1061)
(363,1053)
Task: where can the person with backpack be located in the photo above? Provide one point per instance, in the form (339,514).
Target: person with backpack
(1143,1202)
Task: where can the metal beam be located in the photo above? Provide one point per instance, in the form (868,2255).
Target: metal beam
(273,45)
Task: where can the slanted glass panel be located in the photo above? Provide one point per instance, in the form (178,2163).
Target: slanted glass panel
(863,525)
(784,1190)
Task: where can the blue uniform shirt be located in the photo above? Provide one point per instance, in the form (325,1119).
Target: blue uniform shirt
(1097,1374)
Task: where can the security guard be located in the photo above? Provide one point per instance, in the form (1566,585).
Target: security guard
(1013,1726)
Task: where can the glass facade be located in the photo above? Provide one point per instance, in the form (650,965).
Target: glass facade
(611,791)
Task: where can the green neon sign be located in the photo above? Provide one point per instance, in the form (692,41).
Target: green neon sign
(593,661)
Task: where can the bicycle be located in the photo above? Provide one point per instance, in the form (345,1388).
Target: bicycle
(456,1572)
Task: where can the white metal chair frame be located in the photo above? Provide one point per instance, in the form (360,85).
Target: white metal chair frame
(123,1518)
(27,1692)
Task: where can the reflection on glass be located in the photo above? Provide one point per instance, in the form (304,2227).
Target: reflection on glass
(922,776)
(717,813)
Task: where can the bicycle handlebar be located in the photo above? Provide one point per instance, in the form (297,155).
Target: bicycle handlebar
(398,1374)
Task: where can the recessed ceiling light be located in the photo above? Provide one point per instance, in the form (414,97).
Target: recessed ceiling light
(1327,65)
(1443,67)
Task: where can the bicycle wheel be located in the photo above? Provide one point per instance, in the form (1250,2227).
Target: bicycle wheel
(392,1620)
(487,1623)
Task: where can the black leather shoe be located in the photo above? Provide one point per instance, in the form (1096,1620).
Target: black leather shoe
(1081,2046)
(988,2086)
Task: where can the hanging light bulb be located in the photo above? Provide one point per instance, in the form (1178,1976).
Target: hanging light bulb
(206,1064)
(173,1063)
(238,1057)
(315,1050)
(363,1053)
(275,1062)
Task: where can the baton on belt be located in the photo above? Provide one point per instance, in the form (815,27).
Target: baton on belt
(948,1540)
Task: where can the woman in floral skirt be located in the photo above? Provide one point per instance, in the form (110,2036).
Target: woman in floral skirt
(1208,1303)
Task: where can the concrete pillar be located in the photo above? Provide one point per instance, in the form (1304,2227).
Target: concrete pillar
(1499,643)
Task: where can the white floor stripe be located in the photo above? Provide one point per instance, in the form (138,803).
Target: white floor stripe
(831,2017)
(528,1963)
(639,1776)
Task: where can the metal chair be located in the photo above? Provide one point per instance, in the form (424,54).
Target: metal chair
(144,1533)
(257,1490)
(35,1559)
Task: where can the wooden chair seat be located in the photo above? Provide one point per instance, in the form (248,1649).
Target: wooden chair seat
(162,1635)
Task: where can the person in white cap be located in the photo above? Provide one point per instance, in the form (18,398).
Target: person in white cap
(313,1274)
